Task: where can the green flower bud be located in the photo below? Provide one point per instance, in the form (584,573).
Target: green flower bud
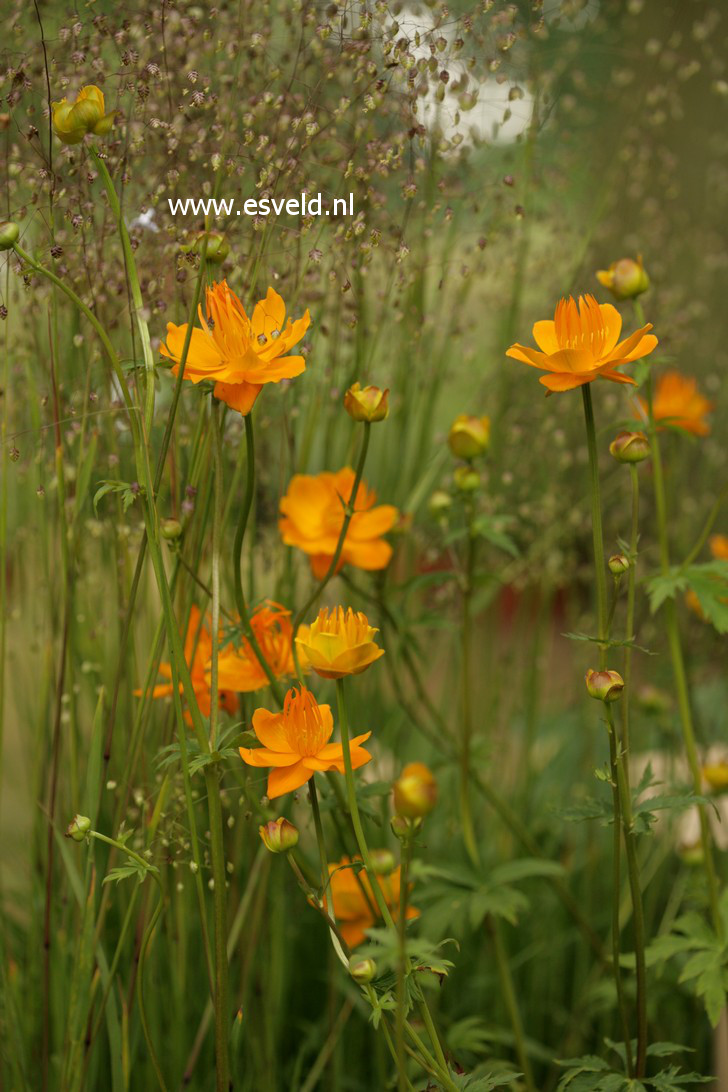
(630,447)
(382,861)
(218,247)
(439,503)
(469,436)
(78,828)
(362,970)
(625,279)
(9,234)
(466,479)
(618,564)
(604,685)
(171,529)
(278,835)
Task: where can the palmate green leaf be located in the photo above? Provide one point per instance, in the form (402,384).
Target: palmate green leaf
(469,1082)
(591,808)
(608,644)
(709,582)
(706,966)
(125,872)
(644,809)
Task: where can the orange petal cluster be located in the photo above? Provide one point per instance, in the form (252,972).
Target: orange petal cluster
(354,902)
(198,650)
(677,402)
(240,669)
(312,516)
(296,743)
(338,643)
(581,344)
(240,354)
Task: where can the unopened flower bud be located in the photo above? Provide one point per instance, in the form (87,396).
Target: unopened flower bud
(439,503)
(604,685)
(415,791)
(618,564)
(469,436)
(171,529)
(9,234)
(362,970)
(630,447)
(278,835)
(382,861)
(466,479)
(78,828)
(366,403)
(625,279)
(218,247)
(72,121)
(403,828)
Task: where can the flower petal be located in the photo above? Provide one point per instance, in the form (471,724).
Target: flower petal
(288,780)
(268,727)
(563,381)
(544,334)
(261,756)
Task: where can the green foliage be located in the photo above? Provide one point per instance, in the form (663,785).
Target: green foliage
(709,583)
(702,956)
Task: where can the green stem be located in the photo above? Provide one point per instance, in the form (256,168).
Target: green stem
(631,586)
(148,932)
(364,850)
(598,538)
(630,843)
(509,996)
(219,875)
(136,292)
(212,780)
(466,817)
(401,1012)
(617,887)
(237,559)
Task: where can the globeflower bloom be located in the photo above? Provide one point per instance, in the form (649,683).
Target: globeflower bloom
(198,652)
(354,902)
(296,743)
(240,669)
(582,344)
(240,354)
(339,643)
(366,403)
(312,518)
(86,114)
(677,402)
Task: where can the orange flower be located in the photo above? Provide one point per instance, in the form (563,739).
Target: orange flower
(677,402)
(296,743)
(339,643)
(198,650)
(353,907)
(241,354)
(239,668)
(582,344)
(312,515)
(718,547)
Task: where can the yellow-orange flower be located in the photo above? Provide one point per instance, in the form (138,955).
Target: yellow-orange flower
(339,643)
(86,114)
(312,516)
(241,354)
(296,743)
(678,402)
(239,668)
(198,650)
(582,344)
(353,907)
(719,547)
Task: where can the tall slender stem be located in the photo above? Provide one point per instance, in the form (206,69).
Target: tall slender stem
(466,816)
(601,576)
(212,781)
(630,843)
(237,558)
(509,996)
